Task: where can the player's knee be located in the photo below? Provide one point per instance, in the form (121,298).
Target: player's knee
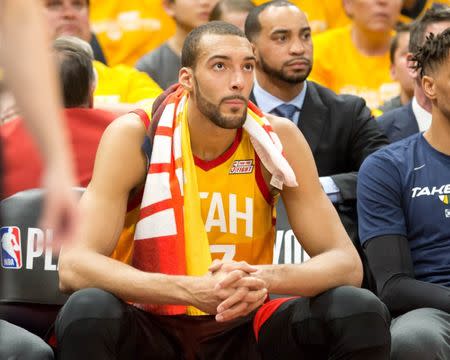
(415,339)
(30,348)
(349,310)
(88,305)
(351,301)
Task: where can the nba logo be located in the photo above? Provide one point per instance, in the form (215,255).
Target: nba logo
(11,251)
(447,213)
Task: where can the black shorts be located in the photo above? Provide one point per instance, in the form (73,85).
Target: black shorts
(95,324)
(196,337)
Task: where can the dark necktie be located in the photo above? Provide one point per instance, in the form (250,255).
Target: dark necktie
(285,110)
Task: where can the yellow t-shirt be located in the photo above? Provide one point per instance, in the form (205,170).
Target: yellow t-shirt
(322,15)
(340,66)
(236,205)
(129,29)
(124,84)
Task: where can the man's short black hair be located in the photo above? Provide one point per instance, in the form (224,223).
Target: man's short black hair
(419,27)
(252,24)
(74,57)
(191,44)
(230,5)
(433,53)
(400,29)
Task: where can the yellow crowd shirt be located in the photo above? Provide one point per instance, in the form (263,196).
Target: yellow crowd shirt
(340,66)
(322,15)
(124,84)
(237,208)
(127,30)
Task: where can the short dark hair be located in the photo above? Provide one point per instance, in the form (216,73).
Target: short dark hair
(230,5)
(400,29)
(419,27)
(74,57)
(191,45)
(252,24)
(433,53)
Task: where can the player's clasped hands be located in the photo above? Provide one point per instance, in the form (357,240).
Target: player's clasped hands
(240,291)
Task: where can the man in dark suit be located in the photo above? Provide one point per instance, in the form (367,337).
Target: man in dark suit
(416,115)
(339,128)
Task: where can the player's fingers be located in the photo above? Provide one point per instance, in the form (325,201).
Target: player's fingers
(233,299)
(251,282)
(255,296)
(223,294)
(253,306)
(236,311)
(239,265)
(215,265)
(230,279)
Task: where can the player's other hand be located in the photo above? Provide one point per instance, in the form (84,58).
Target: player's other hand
(250,291)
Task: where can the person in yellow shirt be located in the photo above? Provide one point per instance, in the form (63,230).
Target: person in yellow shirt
(322,15)
(355,59)
(127,30)
(118,87)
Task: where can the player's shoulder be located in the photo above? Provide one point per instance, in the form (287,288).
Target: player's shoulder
(128,128)
(289,134)
(280,125)
(393,158)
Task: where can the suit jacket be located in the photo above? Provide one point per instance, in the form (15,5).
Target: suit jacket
(399,123)
(341,133)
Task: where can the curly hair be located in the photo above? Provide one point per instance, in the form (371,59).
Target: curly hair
(433,53)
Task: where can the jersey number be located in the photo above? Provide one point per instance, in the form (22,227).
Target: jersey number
(228,250)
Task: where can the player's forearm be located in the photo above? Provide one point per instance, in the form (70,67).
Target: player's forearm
(320,273)
(402,294)
(80,269)
(20,23)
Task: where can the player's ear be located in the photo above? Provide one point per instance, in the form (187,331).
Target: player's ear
(186,78)
(428,86)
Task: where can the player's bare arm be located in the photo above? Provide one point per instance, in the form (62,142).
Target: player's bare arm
(334,260)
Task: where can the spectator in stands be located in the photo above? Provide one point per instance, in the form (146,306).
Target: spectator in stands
(322,15)
(416,115)
(339,128)
(399,69)
(127,30)
(404,217)
(23,165)
(119,88)
(163,63)
(232,11)
(355,59)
